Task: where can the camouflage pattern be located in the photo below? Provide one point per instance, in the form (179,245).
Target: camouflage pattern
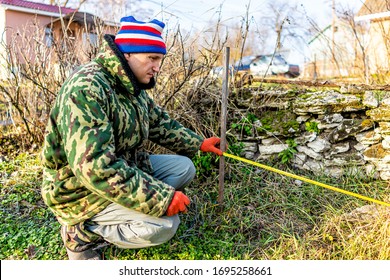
(77,238)
(91,149)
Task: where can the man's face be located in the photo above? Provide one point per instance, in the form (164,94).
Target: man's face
(144,65)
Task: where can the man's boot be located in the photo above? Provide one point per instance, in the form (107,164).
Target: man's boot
(92,252)
(89,254)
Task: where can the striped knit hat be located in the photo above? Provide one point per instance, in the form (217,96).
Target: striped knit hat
(140,37)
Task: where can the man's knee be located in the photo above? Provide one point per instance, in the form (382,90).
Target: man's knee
(139,234)
(158,234)
(189,168)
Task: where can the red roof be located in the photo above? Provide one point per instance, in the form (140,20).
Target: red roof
(38,6)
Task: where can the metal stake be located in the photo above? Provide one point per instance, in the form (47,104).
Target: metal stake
(225,92)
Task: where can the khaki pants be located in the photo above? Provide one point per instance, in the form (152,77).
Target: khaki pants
(128,228)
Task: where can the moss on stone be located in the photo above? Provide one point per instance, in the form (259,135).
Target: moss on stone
(367,123)
(280,122)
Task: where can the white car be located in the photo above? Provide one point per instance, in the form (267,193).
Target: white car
(266,65)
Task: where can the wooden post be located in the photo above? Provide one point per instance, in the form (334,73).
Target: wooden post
(225,91)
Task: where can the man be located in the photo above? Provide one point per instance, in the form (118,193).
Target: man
(97,180)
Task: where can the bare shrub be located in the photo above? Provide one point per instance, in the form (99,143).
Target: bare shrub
(36,65)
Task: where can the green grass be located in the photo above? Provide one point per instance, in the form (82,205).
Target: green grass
(264,216)
(28,230)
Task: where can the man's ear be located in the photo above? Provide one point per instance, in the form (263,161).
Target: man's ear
(127,55)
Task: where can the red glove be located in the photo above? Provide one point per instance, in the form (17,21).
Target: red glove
(211,145)
(178,204)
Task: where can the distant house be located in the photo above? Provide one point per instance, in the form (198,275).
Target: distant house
(22,18)
(333,51)
(377,14)
(353,47)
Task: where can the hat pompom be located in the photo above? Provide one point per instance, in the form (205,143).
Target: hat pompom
(140,37)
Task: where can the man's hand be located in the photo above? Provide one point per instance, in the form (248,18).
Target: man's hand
(211,145)
(178,204)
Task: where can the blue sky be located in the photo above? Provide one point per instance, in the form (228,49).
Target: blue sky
(195,16)
(198,13)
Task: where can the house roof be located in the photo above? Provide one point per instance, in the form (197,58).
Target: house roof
(38,6)
(80,18)
(374,7)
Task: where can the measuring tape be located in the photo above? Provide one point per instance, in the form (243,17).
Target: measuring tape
(305,179)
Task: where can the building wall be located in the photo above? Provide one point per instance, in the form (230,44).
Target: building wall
(22,30)
(2,40)
(379,48)
(23,22)
(18,25)
(332,57)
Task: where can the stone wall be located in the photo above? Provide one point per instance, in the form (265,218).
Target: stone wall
(334,130)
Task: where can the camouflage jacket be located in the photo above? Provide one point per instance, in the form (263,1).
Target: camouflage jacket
(97,124)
